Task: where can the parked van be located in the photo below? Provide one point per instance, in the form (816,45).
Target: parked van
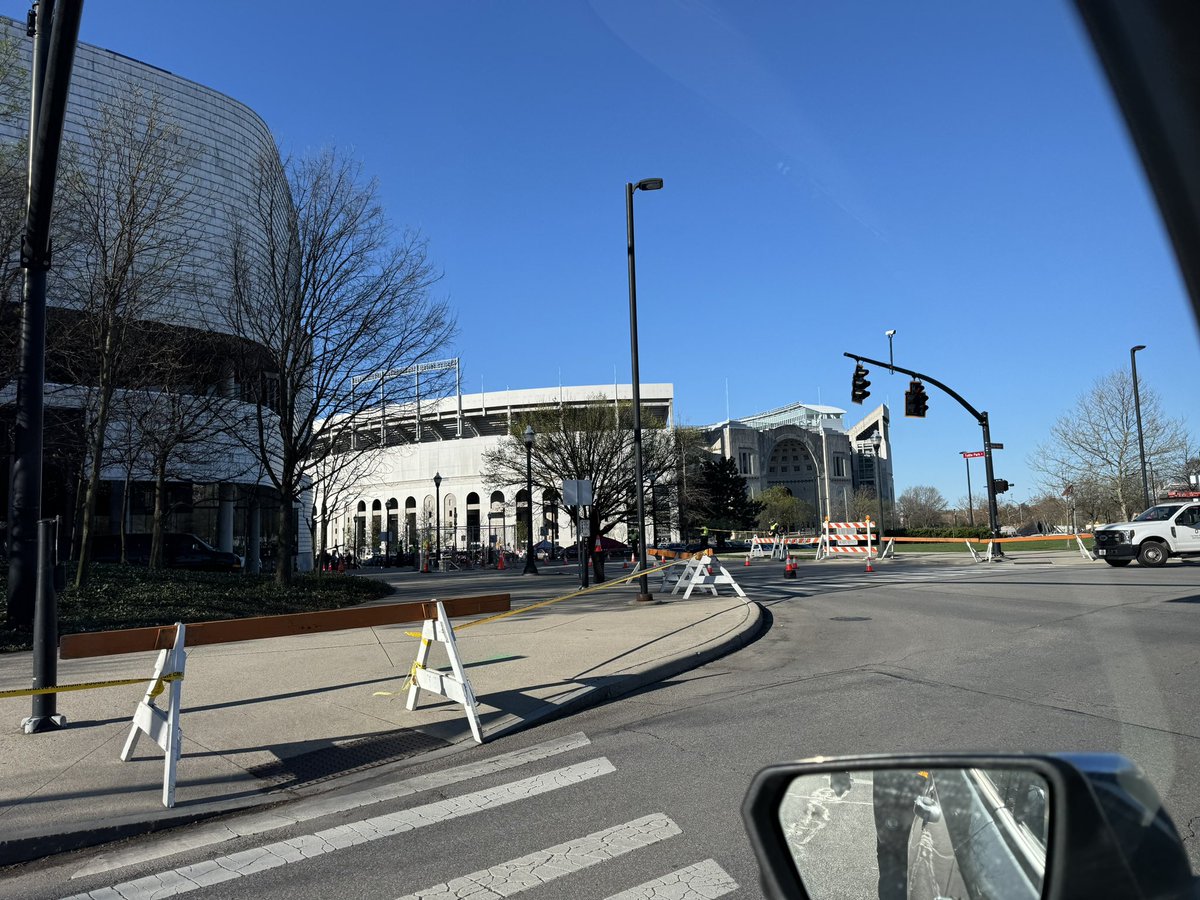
(180,551)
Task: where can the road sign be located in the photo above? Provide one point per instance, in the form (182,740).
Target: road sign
(585,528)
(994,446)
(973,454)
(577,493)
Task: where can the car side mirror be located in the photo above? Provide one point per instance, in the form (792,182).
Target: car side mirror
(964,825)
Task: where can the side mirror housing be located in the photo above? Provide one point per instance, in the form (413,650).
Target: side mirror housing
(1024,826)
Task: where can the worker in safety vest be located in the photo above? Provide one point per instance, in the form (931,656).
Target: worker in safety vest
(703,535)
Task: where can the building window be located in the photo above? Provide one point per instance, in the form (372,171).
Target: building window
(839,467)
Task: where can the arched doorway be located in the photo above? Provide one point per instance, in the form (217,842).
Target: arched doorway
(472,519)
(410,523)
(496,519)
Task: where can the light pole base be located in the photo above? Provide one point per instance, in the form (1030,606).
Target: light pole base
(647,600)
(41,724)
(530,569)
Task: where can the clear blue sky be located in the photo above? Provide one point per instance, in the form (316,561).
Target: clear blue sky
(956,171)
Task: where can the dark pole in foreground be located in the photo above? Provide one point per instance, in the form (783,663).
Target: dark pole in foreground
(646,184)
(1137,406)
(56,31)
(530,568)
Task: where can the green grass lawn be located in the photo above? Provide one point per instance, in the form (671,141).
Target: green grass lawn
(134,597)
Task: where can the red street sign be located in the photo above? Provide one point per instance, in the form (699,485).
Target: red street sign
(972,454)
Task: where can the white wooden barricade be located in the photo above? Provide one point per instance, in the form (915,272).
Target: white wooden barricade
(756,549)
(707,580)
(889,552)
(1084,551)
(842,539)
(971,549)
(452,685)
(692,569)
(162,725)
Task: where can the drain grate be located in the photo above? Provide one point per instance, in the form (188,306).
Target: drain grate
(342,759)
(850,619)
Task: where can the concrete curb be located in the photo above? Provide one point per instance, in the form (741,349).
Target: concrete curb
(29,846)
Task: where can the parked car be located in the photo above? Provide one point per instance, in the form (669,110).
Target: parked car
(180,551)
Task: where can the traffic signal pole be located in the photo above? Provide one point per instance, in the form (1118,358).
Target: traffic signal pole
(980,417)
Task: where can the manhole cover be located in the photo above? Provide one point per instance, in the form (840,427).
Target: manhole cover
(850,619)
(341,759)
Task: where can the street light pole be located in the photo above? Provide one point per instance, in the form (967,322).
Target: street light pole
(877,442)
(530,568)
(437,505)
(646,184)
(1137,406)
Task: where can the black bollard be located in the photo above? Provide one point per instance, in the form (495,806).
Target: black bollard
(45,636)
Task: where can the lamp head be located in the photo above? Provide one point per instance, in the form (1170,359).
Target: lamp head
(528,435)
(649,184)
(437,479)
(891,332)
(1137,348)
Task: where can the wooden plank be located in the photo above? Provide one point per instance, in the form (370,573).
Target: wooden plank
(136,640)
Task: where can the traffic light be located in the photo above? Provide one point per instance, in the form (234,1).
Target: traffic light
(858,390)
(999,485)
(916,401)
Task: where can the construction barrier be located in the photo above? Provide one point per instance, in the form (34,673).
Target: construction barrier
(162,724)
(847,540)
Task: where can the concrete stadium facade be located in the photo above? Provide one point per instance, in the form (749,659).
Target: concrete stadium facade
(808,450)
(395,494)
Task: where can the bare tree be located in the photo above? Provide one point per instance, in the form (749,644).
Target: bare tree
(325,294)
(780,508)
(14,167)
(587,442)
(922,506)
(128,212)
(1096,443)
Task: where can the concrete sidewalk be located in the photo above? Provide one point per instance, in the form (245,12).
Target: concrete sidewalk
(266,720)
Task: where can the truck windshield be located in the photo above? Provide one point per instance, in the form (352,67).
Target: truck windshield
(1157,514)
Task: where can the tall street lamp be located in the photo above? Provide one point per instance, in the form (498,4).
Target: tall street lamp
(646,184)
(1137,406)
(877,442)
(437,505)
(530,568)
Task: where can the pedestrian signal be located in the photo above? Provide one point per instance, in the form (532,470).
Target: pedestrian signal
(999,485)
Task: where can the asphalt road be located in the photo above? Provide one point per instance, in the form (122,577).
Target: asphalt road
(641,797)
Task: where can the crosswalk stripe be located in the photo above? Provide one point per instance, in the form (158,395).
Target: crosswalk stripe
(536,869)
(703,881)
(306,810)
(269,856)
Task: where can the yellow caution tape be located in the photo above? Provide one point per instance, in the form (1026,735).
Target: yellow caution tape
(159,686)
(579,593)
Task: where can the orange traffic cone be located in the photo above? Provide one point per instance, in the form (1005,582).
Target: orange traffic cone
(747,562)
(425,565)
(869,568)
(789,570)
(500,565)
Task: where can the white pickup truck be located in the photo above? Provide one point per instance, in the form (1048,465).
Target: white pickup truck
(1168,529)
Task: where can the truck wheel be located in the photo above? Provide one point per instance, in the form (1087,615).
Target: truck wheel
(1152,554)
(1118,562)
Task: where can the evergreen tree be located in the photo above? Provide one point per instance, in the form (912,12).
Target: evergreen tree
(723,504)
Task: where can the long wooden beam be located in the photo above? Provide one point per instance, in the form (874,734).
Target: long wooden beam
(224,631)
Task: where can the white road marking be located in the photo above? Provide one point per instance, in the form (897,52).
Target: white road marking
(703,881)
(280,853)
(183,840)
(538,868)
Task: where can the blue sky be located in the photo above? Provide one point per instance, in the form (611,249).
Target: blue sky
(955,171)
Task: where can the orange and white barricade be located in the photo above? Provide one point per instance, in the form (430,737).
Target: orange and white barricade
(847,540)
